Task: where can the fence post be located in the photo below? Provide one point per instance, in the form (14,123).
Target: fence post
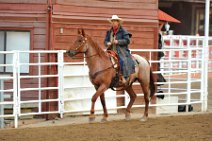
(1,106)
(170,65)
(205,75)
(39,83)
(16,87)
(188,99)
(206,55)
(60,58)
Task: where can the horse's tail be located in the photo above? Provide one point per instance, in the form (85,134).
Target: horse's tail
(152,86)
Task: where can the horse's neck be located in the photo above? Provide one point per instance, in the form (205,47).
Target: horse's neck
(94,49)
(96,58)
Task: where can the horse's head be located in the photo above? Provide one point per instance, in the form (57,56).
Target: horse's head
(80,45)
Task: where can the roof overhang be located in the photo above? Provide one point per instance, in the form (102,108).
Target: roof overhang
(162,16)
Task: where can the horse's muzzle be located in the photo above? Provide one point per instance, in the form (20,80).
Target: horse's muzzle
(71,53)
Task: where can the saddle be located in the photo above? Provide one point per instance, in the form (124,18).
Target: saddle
(119,78)
(114,59)
(116,65)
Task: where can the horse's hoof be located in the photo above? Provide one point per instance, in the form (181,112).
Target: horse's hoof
(91,119)
(104,120)
(144,118)
(127,116)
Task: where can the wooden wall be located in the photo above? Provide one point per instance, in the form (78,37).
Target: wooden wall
(26,14)
(140,18)
(32,16)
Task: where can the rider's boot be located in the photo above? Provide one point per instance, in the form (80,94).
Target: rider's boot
(122,80)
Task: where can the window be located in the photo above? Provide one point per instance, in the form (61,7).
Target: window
(14,40)
(200,23)
(210,23)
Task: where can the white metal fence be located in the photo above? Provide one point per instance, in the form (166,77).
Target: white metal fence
(183,67)
(20,90)
(12,90)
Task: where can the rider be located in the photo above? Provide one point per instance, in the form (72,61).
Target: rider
(117,39)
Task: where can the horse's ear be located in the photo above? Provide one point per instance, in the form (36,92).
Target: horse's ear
(81,32)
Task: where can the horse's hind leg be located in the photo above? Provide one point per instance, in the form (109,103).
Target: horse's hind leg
(146,99)
(102,98)
(132,100)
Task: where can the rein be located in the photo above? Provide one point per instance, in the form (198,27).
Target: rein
(85,46)
(81,45)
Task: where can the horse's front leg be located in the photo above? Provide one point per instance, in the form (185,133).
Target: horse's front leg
(99,91)
(105,115)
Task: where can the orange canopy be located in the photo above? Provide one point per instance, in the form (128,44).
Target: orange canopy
(166,17)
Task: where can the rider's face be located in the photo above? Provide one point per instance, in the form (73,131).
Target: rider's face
(115,23)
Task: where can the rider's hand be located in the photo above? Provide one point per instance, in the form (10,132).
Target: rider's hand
(115,42)
(108,44)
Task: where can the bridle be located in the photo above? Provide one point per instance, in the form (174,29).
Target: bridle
(84,43)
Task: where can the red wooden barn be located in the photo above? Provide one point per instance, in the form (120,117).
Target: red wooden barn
(52,24)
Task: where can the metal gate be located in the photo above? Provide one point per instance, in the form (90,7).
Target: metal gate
(183,67)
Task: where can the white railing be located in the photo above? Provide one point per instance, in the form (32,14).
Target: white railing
(210,54)
(28,89)
(12,90)
(180,71)
(199,60)
(58,87)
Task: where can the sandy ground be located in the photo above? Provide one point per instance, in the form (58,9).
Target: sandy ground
(191,127)
(172,128)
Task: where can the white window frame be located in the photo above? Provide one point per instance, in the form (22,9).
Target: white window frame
(19,44)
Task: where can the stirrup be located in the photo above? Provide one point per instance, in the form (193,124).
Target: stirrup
(122,79)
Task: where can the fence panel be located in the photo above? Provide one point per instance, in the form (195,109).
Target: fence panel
(8,88)
(182,66)
(197,56)
(78,91)
(43,88)
(67,87)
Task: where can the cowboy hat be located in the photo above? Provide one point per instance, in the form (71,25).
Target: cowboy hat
(115,17)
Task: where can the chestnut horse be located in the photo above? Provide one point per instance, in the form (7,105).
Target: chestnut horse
(102,73)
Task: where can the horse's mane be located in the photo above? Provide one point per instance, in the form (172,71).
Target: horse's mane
(99,49)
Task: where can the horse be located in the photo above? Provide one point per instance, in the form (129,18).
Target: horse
(102,73)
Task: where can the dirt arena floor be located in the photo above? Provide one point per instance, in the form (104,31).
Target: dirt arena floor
(172,128)
(192,127)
